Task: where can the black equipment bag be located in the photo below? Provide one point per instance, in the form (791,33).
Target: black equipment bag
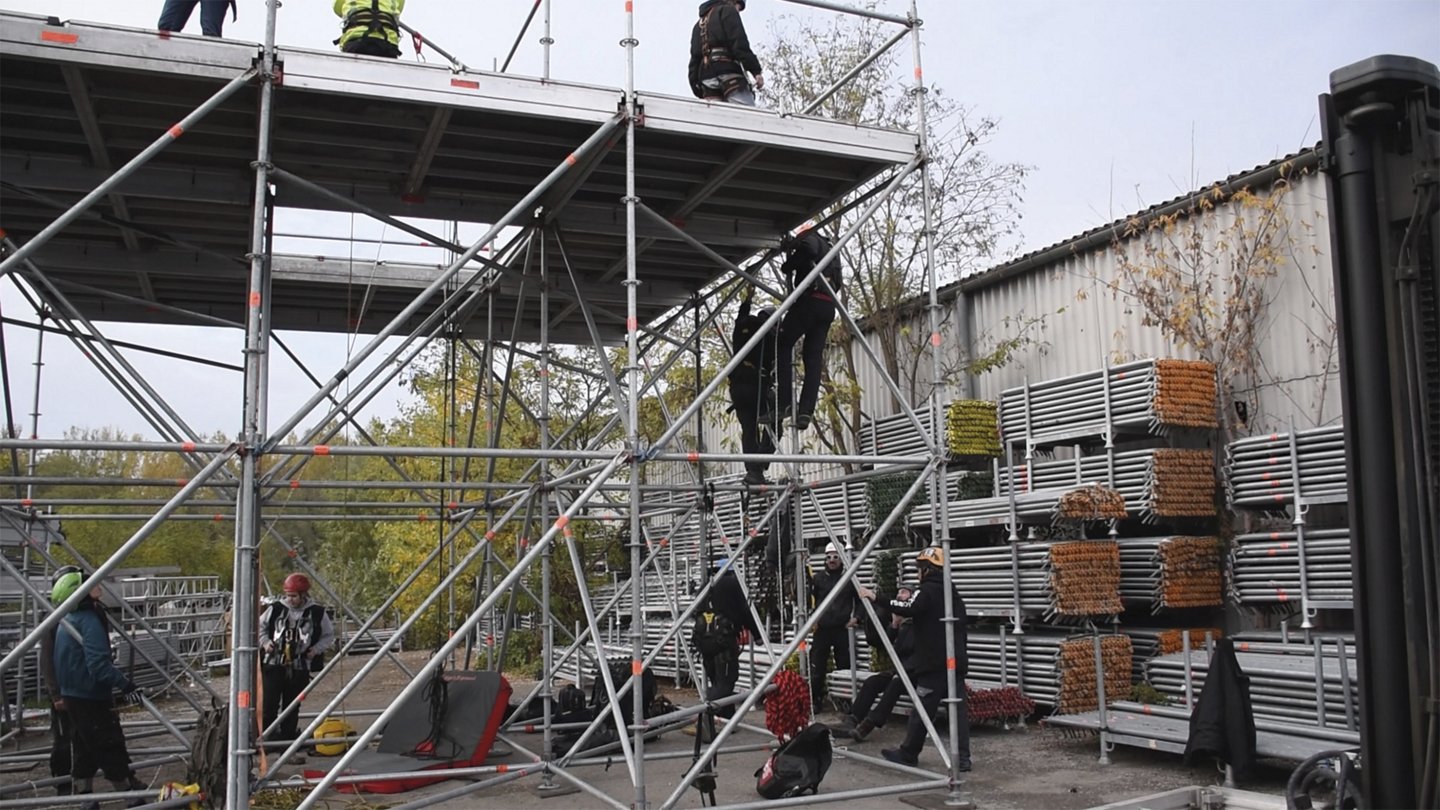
(797,767)
(620,674)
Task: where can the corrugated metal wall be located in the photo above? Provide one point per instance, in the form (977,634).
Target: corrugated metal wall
(1085,325)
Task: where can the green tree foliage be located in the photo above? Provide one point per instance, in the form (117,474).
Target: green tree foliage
(195,547)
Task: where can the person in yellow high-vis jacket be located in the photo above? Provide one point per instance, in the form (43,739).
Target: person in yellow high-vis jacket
(370,26)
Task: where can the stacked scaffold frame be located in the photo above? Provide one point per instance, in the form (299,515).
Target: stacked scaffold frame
(1171,573)
(1150,397)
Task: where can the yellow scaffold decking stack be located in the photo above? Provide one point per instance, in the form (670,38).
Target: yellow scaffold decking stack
(972,428)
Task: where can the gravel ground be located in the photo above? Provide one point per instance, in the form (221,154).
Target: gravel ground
(1020,768)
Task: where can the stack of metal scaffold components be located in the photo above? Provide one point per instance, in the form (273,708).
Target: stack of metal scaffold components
(1148,642)
(1155,483)
(1171,572)
(1080,578)
(1054,669)
(1265,568)
(1269,472)
(1148,397)
(1304,566)
(1302,684)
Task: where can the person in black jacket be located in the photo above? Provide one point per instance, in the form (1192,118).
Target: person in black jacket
(926,665)
(752,386)
(809,318)
(720,55)
(862,718)
(832,631)
(722,666)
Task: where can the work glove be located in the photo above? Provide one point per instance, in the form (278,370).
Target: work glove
(132,696)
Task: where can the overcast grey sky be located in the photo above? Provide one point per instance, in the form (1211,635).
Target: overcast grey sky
(1117,104)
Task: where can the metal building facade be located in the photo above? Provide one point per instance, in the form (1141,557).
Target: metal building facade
(1085,325)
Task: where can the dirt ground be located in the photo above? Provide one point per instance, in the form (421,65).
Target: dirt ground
(1015,769)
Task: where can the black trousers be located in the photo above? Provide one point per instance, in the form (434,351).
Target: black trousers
(932,688)
(746,396)
(882,685)
(372,46)
(98,742)
(722,672)
(62,729)
(809,318)
(282,685)
(825,640)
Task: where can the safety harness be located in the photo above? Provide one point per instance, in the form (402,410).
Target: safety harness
(377,23)
(711,53)
(731,82)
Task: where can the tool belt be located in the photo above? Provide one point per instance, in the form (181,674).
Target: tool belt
(716,54)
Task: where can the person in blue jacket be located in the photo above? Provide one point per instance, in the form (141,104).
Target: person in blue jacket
(87,678)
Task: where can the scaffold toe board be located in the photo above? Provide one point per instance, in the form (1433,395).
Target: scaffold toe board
(404,139)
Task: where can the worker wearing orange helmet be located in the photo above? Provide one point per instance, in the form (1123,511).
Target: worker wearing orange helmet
(295,632)
(926,665)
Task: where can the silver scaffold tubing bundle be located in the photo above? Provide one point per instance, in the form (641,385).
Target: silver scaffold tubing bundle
(1149,642)
(1272,470)
(1053,669)
(1171,572)
(1079,578)
(1145,396)
(1155,483)
(896,435)
(1265,568)
(1305,690)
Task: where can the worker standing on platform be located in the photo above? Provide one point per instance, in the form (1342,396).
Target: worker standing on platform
(809,318)
(370,27)
(752,389)
(832,631)
(295,632)
(927,665)
(176,13)
(720,55)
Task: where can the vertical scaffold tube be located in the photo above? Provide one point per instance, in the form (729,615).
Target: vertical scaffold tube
(246,573)
(632,384)
(954,684)
(542,492)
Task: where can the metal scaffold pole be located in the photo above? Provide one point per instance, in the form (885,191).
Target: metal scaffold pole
(244,665)
(632,416)
(955,683)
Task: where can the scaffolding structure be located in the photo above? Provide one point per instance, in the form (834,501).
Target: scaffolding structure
(611,219)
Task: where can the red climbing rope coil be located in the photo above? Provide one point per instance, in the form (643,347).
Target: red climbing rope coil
(787,709)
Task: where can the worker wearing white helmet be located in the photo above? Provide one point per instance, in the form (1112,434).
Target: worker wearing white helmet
(832,633)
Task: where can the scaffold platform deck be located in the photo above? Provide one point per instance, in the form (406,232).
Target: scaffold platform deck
(407,139)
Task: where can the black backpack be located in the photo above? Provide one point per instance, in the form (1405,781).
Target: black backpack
(713,633)
(797,767)
(620,674)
